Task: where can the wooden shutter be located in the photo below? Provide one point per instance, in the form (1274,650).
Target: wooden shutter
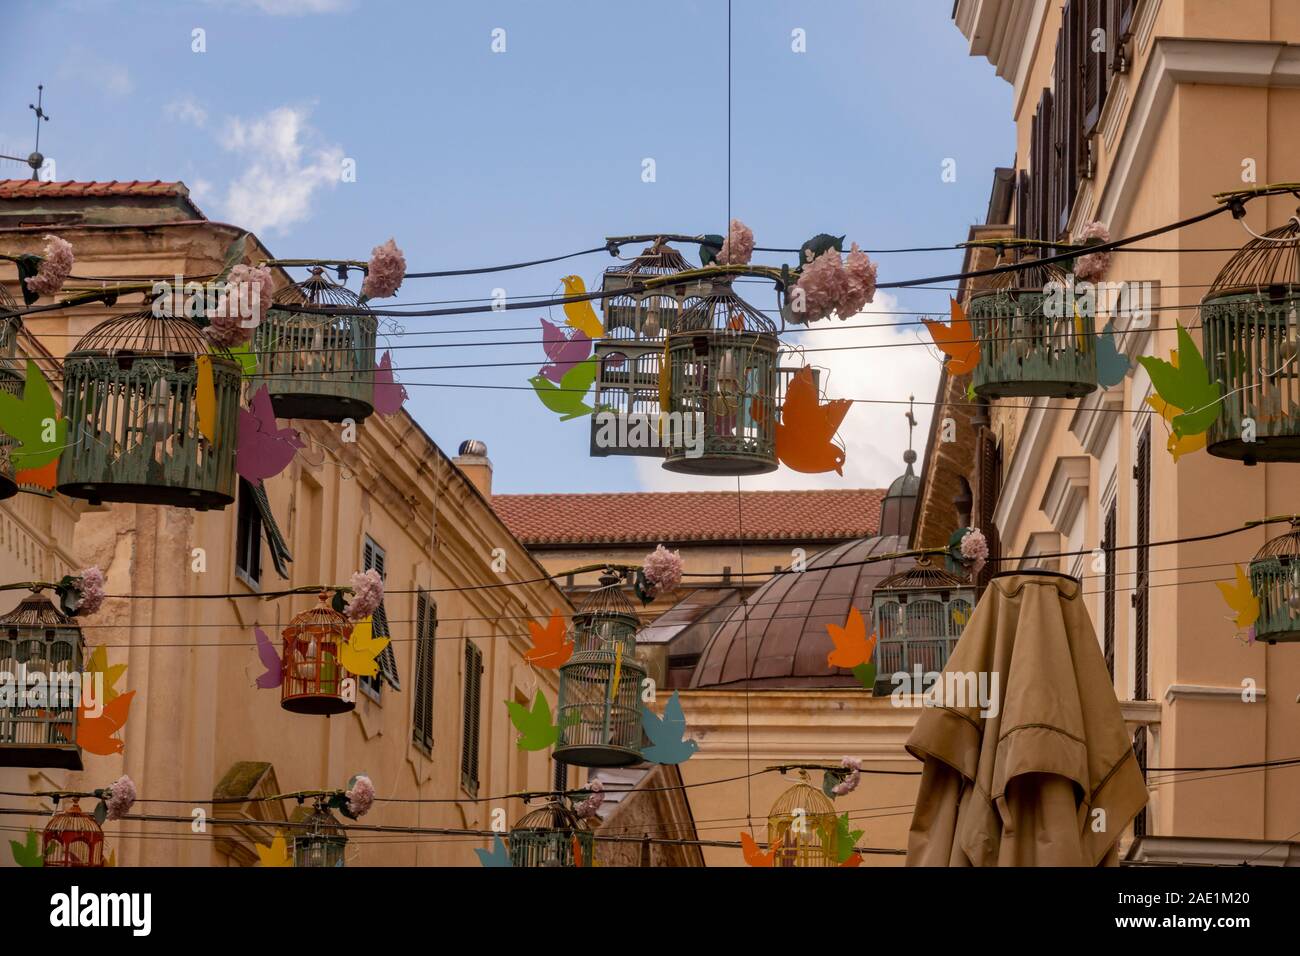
(373,557)
(1119,27)
(1040,165)
(1141,590)
(470,720)
(1095,73)
(988,486)
(1108,597)
(1067,103)
(1140,752)
(1023,225)
(426,629)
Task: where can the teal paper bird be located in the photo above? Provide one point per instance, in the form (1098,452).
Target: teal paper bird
(29,853)
(497,856)
(1111,365)
(1186,385)
(666,736)
(534,726)
(34,422)
(567,400)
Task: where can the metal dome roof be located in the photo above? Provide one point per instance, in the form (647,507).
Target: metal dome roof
(1262,263)
(143,333)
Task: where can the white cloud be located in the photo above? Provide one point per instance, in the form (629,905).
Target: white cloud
(187,110)
(93,71)
(892,366)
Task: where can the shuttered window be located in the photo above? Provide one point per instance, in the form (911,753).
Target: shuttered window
(1040,166)
(1141,583)
(1140,752)
(1023,225)
(988,485)
(373,556)
(248,537)
(470,720)
(1108,595)
(426,629)
(1067,118)
(1095,41)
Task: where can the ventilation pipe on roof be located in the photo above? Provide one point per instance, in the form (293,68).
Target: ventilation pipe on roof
(472,459)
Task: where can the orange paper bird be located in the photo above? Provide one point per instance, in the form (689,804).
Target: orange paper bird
(580,315)
(96,734)
(754,856)
(957,341)
(855,859)
(549,649)
(803,437)
(852,646)
(577,851)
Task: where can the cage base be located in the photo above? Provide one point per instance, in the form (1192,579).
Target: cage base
(1276,448)
(597,755)
(739,465)
(1032,389)
(63,757)
(1280,637)
(317,705)
(309,406)
(195,498)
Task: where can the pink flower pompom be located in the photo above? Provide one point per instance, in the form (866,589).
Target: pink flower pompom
(120,797)
(90,584)
(361,796)
(975,548)
(1093,266)
(850,782)
(587,808)
(367,592)
(738,247)
(385,273)
(824,285)
(859,283)
(662,569)
(242,305)
(56,265)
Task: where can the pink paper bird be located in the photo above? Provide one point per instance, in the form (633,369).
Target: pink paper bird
(270,657)
(389,394)
(564,347)
(263,449)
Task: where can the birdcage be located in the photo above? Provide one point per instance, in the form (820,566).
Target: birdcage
(551,836)
(131,399)
(318,365)
(804,821)
(599,703)
(1035,335)
(312,670)
(917,617)
(41,651)
(319,840)
(72,839)
(1249,332)
(721,389)
(1275,581)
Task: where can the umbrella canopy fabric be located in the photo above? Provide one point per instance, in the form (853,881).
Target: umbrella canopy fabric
(1045,775)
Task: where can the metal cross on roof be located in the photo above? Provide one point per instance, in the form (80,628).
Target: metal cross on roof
(35,160)
(911,419)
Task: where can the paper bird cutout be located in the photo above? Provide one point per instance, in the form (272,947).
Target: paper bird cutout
(956,340)
(534,726)
(498,856)
(277,854)
(577,850)
(852,646)
(205,398)
(754,854)
(564,348)
(97,663)
(618,671)
(580,315)
(838,840)
(389,394)
(855,859)
(549,649)
(29,852)
(46,476)
(270,658)
(112,858)
(803,436)
(1241,598)
(360,654)
(96,734)
(960,617)
(566,400)
(667,743)
(1112,365)
(1185,383)
(247,359)
(264,449)
(33,421)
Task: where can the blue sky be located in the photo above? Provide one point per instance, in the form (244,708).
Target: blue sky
(469,158)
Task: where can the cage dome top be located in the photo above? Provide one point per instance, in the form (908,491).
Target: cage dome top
(143,333)
(609,599)
(36,610)
(1032,278)
(922,577)
(724,311)
(1285,547)
(1270,261)
(555,815)
(318,289)
(656,260)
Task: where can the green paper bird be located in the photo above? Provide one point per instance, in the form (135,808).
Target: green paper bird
(866,674)
(840,840)
(534,726)
(29,853)
(567,400)
(1186,385)
(34,422)
(246,358)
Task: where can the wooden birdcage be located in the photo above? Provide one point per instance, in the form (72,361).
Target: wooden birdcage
(917,617)
(1275,581)
(1249,335)
(319,840)
(721,389)
(40,646)
(72,839)
(804,820)
(599,702)
(313,672)
(1036,336)
(130,398)
(551,836)
(318,365)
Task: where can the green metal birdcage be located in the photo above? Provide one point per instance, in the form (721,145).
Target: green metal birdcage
(918,616)
(599,704)
(803,819)
(1275,581)
(1036,336)
(721,388)
(1249,333)
(36,638)
(318,365)
(320,840)
(551,836)
(130,399)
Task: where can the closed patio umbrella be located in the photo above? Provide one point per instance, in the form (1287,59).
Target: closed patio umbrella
(1022,784)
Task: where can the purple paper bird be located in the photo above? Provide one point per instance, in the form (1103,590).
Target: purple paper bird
(263,449)
(389,394)
(564,347)
(274,675)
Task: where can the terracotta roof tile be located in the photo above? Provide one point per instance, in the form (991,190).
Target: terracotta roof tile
(27,189)
(670,517)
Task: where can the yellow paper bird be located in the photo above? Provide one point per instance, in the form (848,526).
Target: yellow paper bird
(580,315)
(1241,598)
(960,617)
(112,858)
(1175,446)
(1082,339)
(359,654)
(277,854)
(97,663)
(205,396)
(618,670)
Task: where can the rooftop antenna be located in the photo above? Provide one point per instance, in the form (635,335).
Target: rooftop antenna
(35,160)
(910,456)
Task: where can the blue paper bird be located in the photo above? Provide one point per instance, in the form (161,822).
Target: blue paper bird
(1112,366)
(497,856)
(666,736)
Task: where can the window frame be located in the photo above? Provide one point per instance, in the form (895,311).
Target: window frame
(426,669)
(247,516)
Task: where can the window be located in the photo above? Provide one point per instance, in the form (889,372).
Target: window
(426,629)
(1108,589)
(1141,585)
(1140,752)
(470,719)
(373,557)
(248,538)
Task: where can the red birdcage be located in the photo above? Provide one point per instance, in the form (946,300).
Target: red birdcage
(72,839)
(313,671)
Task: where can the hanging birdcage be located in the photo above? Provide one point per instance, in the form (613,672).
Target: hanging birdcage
(551,836)
(312,670)
(319,840)
(72,839)
(1275,581)
(11,383)
(1035,336)
(599,703)
(803,819)
(721,387)
(41,647)
(318,366)
(1249,333)
(130,396)
(917,617)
